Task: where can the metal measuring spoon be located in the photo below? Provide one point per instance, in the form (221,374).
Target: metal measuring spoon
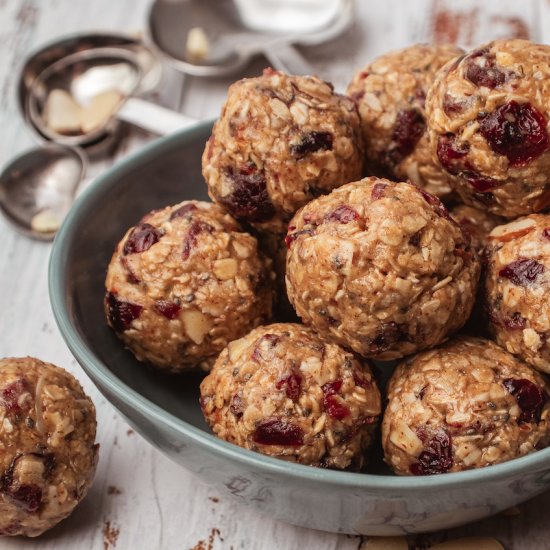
(38,188)
(237,30)
(96,86)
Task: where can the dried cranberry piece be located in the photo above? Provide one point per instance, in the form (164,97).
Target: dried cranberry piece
(389,334)
(517,131)
(530,398)
(278,432)
(522,272)
(486,73)
(342,214)
(266,342)
(449,152)
(170,310)
(292,384)
(407,130)
(331,388)
(311,142)
(437,456)
(131,277)
(514,322)
(378,191)
(335,408)
(480,183)
(291,237)
(414,239)
(190,241)
(142,238)
(183,211)
(120,313)
(436,204)
(28,497)
(452,106)
(546,233)
(9,396)
(249,201)
(333,404)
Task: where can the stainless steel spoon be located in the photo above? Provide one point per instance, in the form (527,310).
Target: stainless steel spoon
(237,30)
(38,188)
(87,75)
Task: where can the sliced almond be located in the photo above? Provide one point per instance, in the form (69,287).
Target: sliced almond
(62,113)
(469,543)
(196,325)
(226,268)
(197,45)
(512,230)
(385,543)
(100,110)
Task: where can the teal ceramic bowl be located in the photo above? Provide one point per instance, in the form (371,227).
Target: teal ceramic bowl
(165,409)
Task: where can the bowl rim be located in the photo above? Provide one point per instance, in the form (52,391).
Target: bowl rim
(102,377)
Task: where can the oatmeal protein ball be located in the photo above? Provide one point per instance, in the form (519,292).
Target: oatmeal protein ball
(390,94)
(380,267)
(477,223)
(280,141)
(465,405)
(488,118)
(183,283)
(517,288)
(48,454)
(283,392)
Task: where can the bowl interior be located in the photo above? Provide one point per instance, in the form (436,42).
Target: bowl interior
(167,172)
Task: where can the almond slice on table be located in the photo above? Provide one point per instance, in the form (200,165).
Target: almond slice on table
(469,543)
(385,543)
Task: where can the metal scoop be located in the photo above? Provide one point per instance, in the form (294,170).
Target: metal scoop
(77,100)
(233,31)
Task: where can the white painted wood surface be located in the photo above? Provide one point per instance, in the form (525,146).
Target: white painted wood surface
(140,500)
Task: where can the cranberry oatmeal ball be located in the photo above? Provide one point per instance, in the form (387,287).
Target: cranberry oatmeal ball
(390,93)
(517,288)
(488,118)
(280,141)
(465,405)
(380,267)
(477,223)
(283,392)
(48,454)
(183,283)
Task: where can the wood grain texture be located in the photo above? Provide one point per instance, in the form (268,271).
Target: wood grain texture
(140,500)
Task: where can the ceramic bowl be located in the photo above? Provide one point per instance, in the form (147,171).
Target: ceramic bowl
(165,409)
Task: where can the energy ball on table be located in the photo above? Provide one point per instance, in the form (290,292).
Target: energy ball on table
(517,287)
(390,94)
(280,141)
(183,283)
(48,454)
(488,118)
(380,267)
(465,405)
(283,392)
(477,223)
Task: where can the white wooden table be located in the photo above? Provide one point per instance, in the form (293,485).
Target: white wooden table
(140,500)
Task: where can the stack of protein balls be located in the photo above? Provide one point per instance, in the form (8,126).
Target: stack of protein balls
(375,268)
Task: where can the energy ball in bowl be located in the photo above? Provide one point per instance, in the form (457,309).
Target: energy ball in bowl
(380,267)
(390,93)
(280,141)
(517,288)
(48,454)
(465,405)
(477,223)
(183,283)
(283,392)
(488,116)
